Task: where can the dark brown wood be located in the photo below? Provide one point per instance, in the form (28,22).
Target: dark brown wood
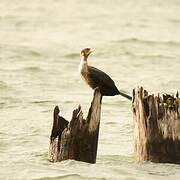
(156,127)
(59,124)
(77,139)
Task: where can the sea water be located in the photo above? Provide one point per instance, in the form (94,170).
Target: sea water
(137,43)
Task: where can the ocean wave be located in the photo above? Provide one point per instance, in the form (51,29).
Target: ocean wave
(33,69)
(157,56)
(4,85)
(27,51)
(34,53)
(71,55)
(21,50)
(7,17)
(150,42)
(177,21)
(111,123)
(148,56)
(71,176)
(2,104)
(115,158)
(41,102)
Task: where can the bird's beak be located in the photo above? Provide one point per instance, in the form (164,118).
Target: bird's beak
(92,50)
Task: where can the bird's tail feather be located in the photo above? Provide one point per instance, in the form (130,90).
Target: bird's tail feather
(125,95)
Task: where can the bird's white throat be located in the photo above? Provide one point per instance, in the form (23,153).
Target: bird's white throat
(83,65)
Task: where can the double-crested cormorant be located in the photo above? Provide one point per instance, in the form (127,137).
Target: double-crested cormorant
(97,78)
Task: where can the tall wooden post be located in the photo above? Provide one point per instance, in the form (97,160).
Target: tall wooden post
(156,127)
(77,139)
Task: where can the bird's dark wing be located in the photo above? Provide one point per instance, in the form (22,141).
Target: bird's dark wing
(106,85)
(99,76)
(100,79)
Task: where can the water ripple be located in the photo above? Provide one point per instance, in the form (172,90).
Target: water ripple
(3,85)
(71,55)
(33,69)
(71,176)
(150,42)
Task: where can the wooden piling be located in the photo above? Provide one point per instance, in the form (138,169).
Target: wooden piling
(156,127)
(77,139)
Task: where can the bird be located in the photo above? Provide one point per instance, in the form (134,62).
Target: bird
(96,78)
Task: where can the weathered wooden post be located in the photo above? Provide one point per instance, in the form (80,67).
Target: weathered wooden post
(77,139)
(156,127)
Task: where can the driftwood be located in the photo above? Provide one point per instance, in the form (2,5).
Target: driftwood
(77,139)
(156,127)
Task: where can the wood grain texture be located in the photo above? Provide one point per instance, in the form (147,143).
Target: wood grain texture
(156,127)
(78,139)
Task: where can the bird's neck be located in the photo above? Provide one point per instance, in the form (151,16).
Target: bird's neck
(83,66)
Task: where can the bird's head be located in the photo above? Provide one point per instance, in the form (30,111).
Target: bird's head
(86,52)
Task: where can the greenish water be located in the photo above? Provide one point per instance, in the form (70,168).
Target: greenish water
(137,43)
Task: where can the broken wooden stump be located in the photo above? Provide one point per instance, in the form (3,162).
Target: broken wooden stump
(156,127)
(77,139)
